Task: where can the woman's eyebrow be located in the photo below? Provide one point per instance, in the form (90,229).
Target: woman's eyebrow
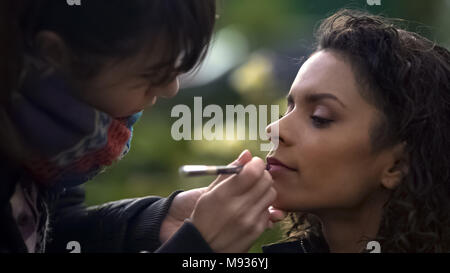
(314,97)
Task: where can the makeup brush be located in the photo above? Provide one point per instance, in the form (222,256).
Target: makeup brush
(197,170)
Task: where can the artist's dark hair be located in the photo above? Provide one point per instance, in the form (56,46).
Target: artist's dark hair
(407,78)
(99,31)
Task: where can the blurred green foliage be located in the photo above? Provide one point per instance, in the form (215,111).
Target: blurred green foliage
(151,167)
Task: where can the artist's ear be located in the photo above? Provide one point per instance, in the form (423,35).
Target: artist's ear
(53,49)
(396,168)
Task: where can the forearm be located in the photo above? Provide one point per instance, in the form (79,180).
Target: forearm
(129,225)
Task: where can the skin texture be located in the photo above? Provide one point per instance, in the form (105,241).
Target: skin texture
(324,141)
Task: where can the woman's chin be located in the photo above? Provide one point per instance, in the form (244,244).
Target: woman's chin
(284,205)
(279,204)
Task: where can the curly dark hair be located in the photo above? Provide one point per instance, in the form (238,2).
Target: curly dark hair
(407,78)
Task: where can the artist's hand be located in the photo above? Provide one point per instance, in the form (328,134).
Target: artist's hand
(183,204)
(234,211)
(276,215)
(181,208)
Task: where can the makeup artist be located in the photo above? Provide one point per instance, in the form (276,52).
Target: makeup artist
(74,80)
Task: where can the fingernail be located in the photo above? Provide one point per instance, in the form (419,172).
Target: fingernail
(242,154)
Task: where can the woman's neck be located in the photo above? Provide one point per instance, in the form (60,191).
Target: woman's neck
(349,230)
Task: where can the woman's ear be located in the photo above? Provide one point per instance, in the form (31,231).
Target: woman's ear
(53,49)
(397,167)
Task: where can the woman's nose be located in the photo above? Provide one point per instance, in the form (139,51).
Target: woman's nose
(269,128)
(273,131)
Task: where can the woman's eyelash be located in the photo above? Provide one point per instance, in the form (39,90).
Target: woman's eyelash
(320,122)
(317,121)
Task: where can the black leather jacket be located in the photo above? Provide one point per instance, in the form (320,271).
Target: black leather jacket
(311,244)
(130,225)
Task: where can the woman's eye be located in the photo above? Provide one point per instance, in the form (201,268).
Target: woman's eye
(320,122)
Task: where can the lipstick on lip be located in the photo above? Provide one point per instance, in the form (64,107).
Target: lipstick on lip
(274,164)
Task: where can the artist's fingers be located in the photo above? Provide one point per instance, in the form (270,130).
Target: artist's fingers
(259,189)
(242,159)
(261,205)
(269,223)
(245,181)
(255,226)
(235,212)
(276,215)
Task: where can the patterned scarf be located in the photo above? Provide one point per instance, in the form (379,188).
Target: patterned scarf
(71,141)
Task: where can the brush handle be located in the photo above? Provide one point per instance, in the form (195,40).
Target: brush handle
(196,170)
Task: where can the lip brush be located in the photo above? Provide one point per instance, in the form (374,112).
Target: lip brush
(197,170)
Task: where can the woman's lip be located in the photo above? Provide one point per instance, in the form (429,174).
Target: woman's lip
(275,164)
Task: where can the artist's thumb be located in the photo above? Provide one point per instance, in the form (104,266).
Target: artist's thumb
(242,159)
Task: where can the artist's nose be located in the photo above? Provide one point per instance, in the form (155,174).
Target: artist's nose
(169,90)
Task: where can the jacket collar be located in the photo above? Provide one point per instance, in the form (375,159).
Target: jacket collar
(310,244)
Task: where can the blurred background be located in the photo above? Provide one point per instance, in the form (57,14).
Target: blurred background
(257,50)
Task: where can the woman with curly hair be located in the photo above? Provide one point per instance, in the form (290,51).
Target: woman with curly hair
(364,146)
